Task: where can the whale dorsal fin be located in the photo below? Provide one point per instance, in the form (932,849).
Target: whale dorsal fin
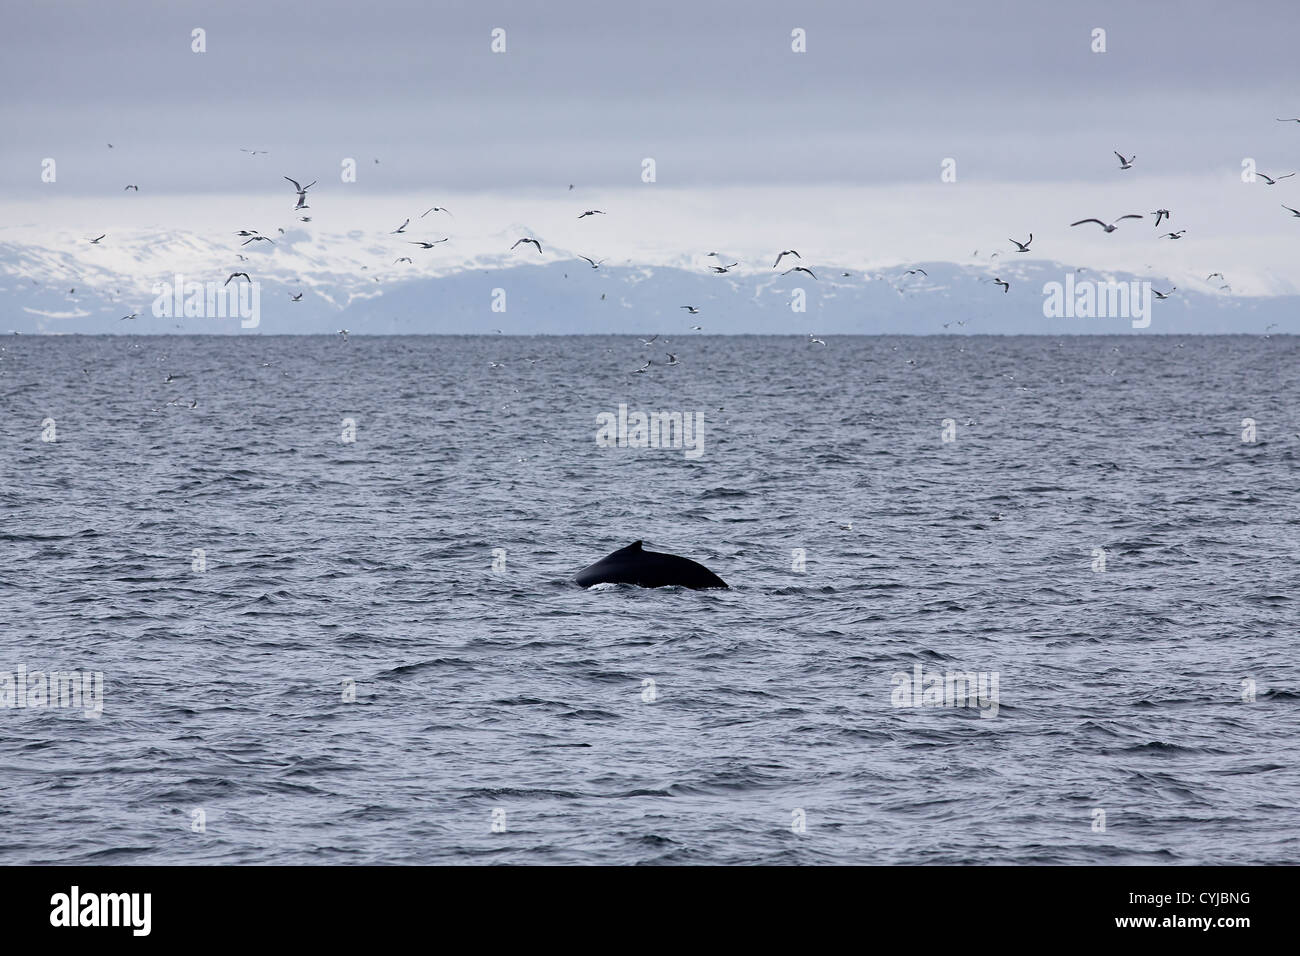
(634,546)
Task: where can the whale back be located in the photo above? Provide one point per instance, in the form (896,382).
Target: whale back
(648,569)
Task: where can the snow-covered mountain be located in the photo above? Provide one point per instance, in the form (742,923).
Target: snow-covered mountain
(351,280)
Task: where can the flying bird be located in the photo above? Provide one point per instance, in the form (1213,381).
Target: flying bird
(132,316)
(1108,227)
(519,242)
(1125,163)
(436,209)
(1270,180)
(1006,286)
(592,212)
(94,242)
(787,252)
(1174,235)
(1293,119)
(401,259)
(1161,214)
(235,275)
(428,245)
(302,192)
(1164,295)
(253,152)
(1294,212)
(1213,274)
(125,188)
(813,340)
(672,359)
(722,269)
(912,272)
(296,298)
(594,263)
(401,228)
(690,308)
(799,269)
(1024,246)
(642,369)
(258,239)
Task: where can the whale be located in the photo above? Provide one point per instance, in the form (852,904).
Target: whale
(648,569)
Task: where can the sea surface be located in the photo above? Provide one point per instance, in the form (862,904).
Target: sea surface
(1097,534)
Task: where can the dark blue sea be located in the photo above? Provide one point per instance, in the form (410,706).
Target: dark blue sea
(281,563)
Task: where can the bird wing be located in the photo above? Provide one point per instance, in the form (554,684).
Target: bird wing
(1082,221)
(295,184)
(1121,158)
(1131,215)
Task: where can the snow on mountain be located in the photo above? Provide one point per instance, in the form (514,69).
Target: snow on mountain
(352,280)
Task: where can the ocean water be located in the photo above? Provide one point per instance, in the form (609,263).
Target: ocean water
(1145,712)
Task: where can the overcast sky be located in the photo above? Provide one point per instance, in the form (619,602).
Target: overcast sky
(712,91)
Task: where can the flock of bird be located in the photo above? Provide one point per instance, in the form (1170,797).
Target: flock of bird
(250,236)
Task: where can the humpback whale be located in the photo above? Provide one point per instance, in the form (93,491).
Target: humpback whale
(647,569)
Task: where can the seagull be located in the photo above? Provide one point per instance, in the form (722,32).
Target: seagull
(1164,295)
(96,241)
(722,269)
(302,192)
(787,252)
(642,369)
(798,269)
(672,359)
(428,245)
(594,263)
(650,341)
(690,308)
(401,259)
(813,340)
(1271,181)
(296,298)
(401,228)
(1213,274)
(1161,214)
(436,209)
(519,242)
(592,212)
(1024,246)
(253,152)
(697,328)
(1294,212)
(1293,119)
(912,272)
(344,333)
(1006,286)
(258,239)
(132,316)
(1125,163)
(235,275)
(1108,227)
(125,188)
(1174,235)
